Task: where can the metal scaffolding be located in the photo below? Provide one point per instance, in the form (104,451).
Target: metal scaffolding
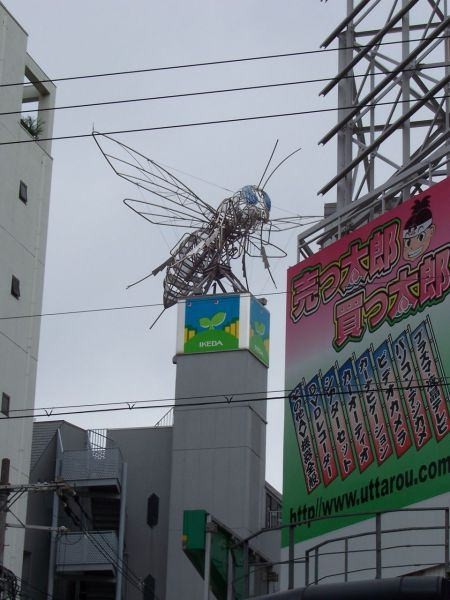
(392,133)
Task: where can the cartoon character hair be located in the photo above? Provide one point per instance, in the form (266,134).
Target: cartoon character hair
(420,219)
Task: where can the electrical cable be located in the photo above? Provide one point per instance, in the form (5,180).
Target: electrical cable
(114,558)
(75,519)
(227,401)
(105,309)
(111,558)
(442,380)
(28,586)
(99,531)
(11,500)
(99,547)
(83,311)
(136,306)
(213,62)
(206,92)
(213,122)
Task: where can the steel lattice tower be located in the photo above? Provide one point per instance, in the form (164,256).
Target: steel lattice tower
(392,133)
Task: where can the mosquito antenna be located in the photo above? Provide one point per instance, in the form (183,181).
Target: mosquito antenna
(279,165)
(157,318)
(266,264)
(139,281)
(268,163)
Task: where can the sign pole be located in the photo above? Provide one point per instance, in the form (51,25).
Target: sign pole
(207,558)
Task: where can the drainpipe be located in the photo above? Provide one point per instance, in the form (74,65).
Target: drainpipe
(52,557)
(123,504)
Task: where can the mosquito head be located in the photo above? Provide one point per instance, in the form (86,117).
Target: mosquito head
(257,198)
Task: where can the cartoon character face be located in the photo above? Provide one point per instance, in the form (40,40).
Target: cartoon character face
(417,239)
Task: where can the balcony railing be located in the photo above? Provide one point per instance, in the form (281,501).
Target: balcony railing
(92,464)
(88,551)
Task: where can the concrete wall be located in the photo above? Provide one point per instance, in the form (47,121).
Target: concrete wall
(23,231)
(147,452)
(39,512)
(218,453)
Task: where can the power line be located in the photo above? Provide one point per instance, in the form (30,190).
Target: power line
(203,123)
(180,398)
(113,552)
(227,401)
(28,587)
(153,305)
(207,92)
(110,557)
(82,311)
(211,63)
(105,309)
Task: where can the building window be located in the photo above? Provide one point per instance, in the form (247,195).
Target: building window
(273,510)
(5,404)
(152,510)
(15,287)
(23,192)
(149,588)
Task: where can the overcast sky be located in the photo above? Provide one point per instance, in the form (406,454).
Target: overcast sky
(96,246)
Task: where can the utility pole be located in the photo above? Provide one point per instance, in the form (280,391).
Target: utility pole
(4,493)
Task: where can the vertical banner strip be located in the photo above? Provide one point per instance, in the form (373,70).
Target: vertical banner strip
(411,391)
(390,393)
(373,406)
(352,404)
(315,404)
(429,374)
(437,356)
(336,417)
(304,439)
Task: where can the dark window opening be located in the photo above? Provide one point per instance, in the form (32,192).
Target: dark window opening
(15,287)
(23,192)
(5,404)
(152,510)
(149,588)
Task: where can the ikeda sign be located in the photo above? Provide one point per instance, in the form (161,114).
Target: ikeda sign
(367,352)
(223,322)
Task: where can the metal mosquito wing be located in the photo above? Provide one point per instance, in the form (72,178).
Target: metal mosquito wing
(175,204)
(259,246)
(293,222)
(260,243)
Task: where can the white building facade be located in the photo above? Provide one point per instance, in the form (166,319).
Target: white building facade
(25,176)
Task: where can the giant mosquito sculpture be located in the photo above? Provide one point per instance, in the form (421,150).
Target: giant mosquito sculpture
(239,227)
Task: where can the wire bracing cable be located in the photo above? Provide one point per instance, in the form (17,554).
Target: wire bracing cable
(224,399)
(84,532)
(212,122)
(81,311)
(100,533)
(211,63)
(24,594)
(207,92)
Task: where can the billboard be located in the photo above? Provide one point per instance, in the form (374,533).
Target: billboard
(259,330)
(367,350)
(211,324)
(223,322)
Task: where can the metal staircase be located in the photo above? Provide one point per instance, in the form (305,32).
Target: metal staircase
(105,513)
(89,562)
